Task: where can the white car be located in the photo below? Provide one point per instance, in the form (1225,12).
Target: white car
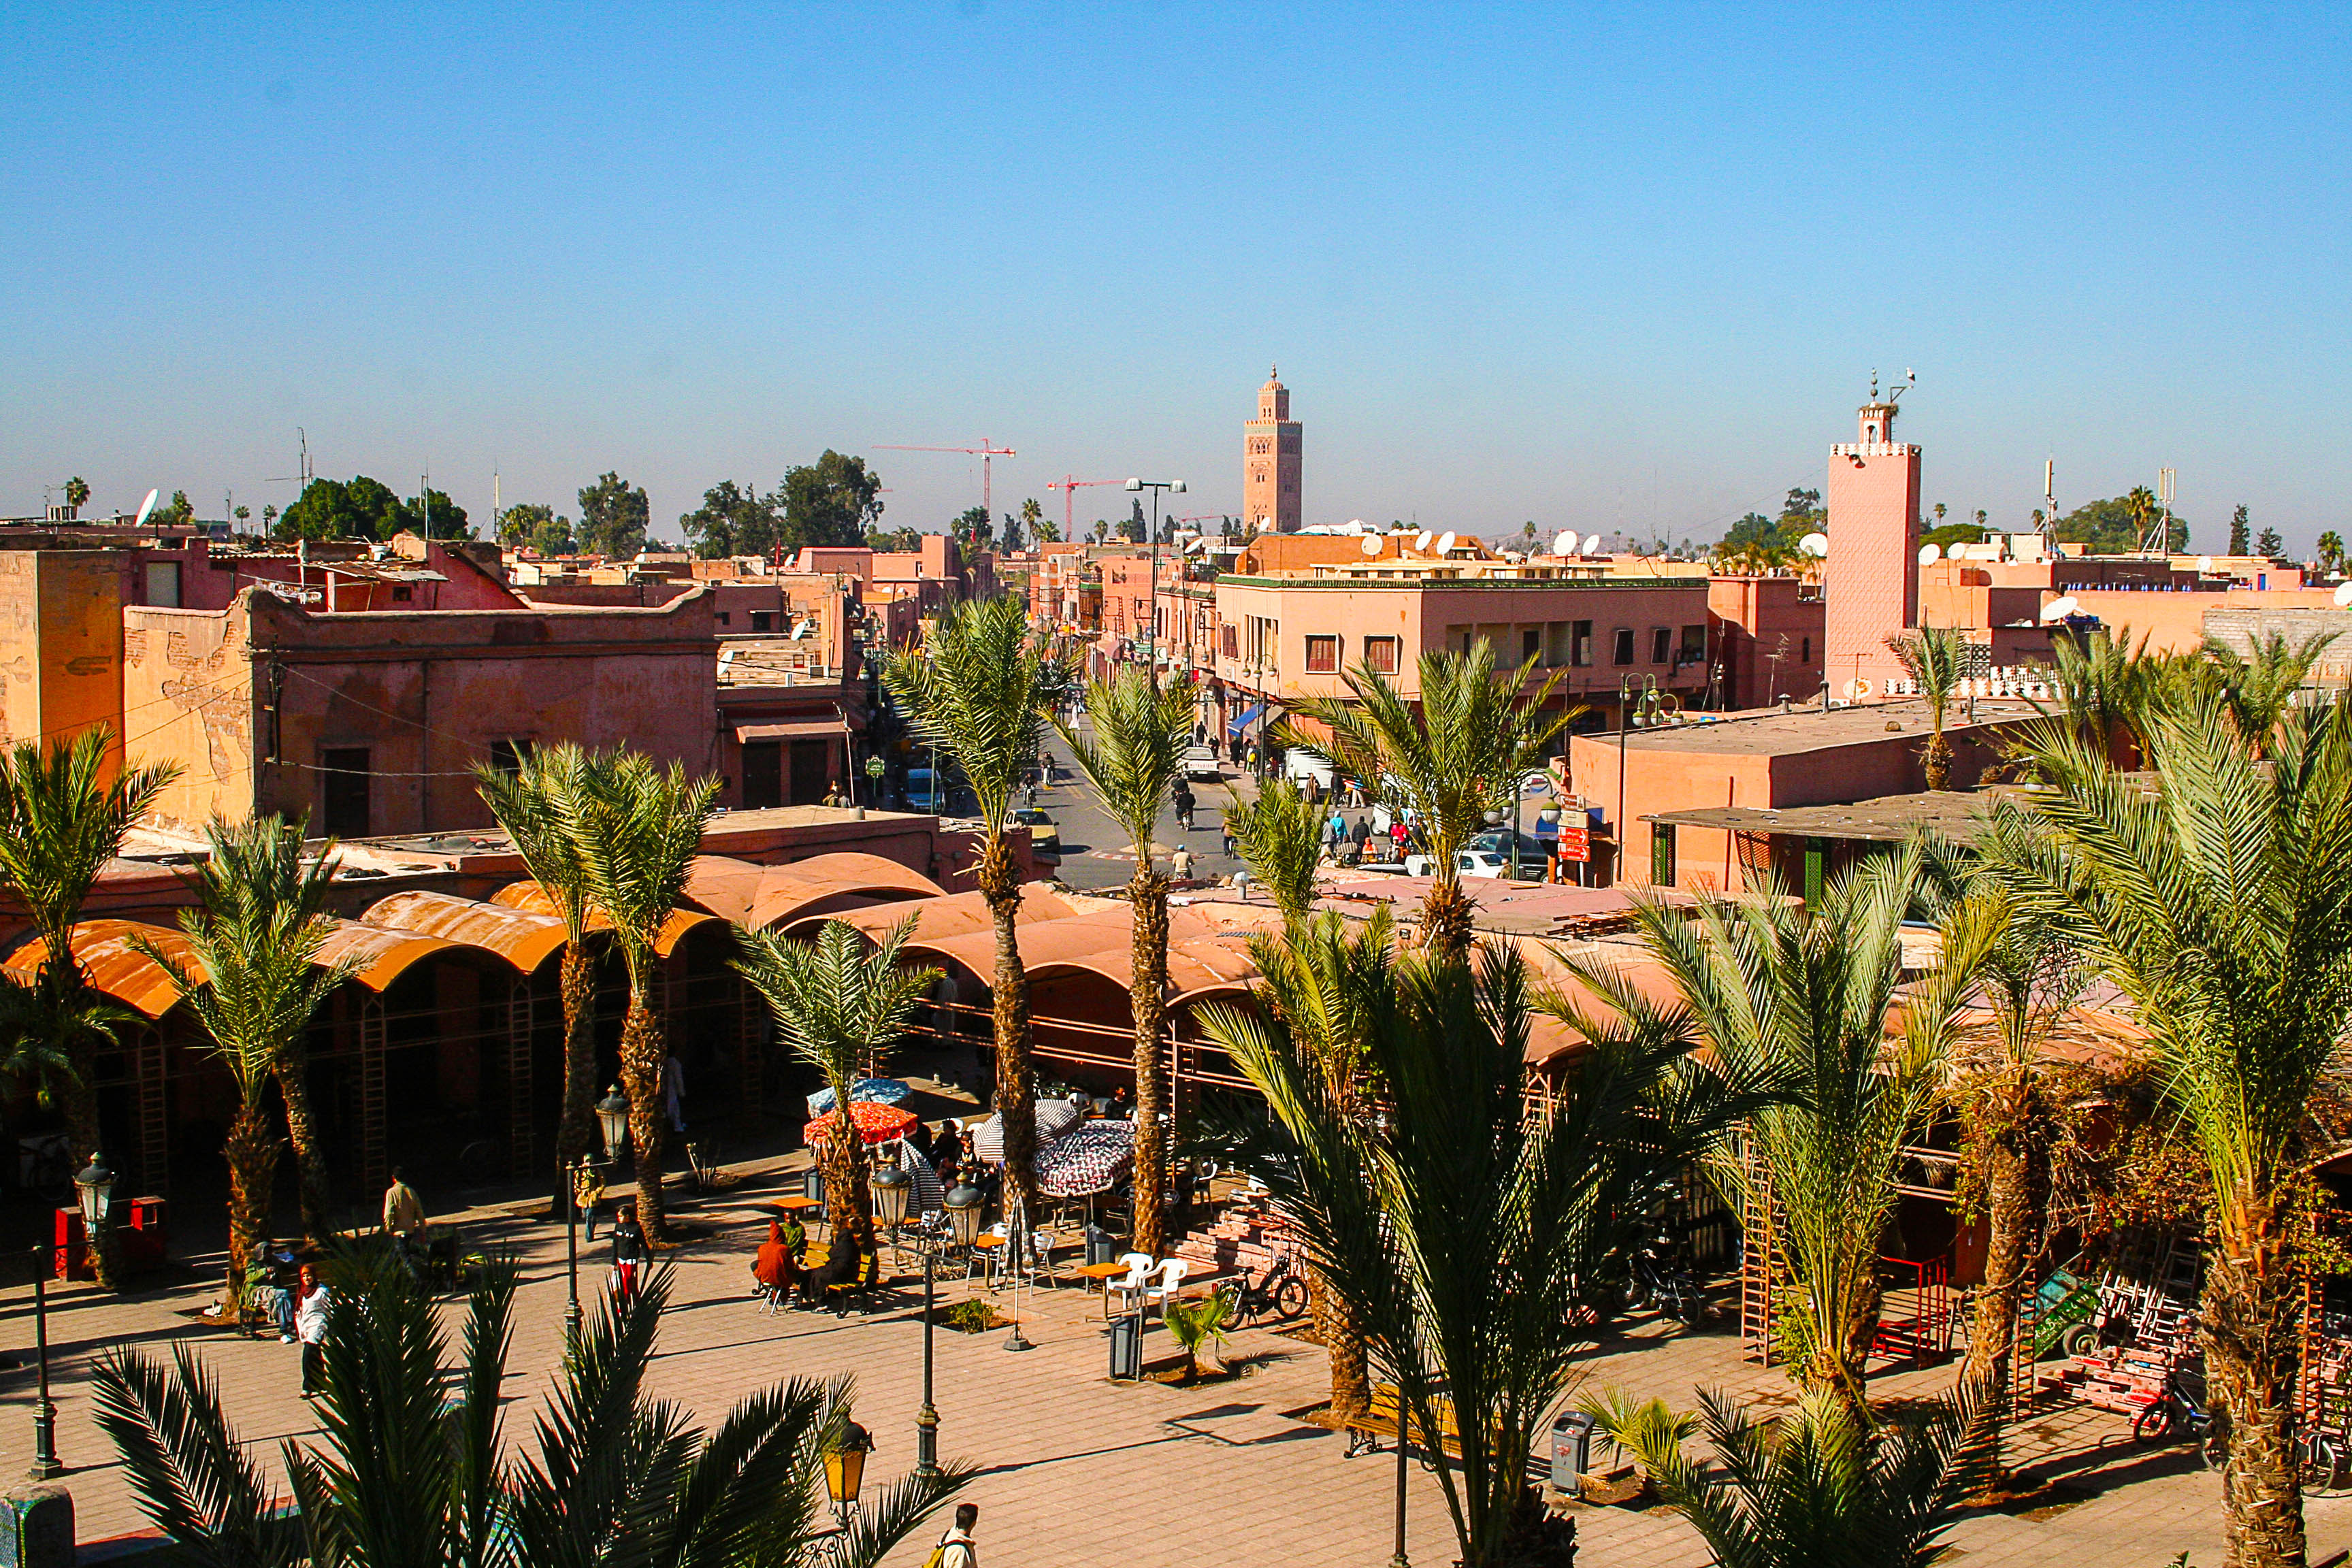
(1201,762)
(1466,863)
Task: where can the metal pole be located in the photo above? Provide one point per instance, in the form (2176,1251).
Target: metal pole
(1398,1559)
(1151,626)
(571,1257)
(1624,695)
(45,1410)
(927,1420)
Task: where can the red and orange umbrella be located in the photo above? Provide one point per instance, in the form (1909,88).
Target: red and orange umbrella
(876,1123)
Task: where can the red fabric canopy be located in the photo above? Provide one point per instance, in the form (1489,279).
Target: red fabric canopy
(876,1123)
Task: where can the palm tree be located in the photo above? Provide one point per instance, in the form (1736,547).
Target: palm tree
(2104,684)
(1937,658)
(2261,684)
(1823,1488)
(254,985)
(2008,1084)
(639,828)
(1465,1233)
(1799,998)
(77,492)
(539,805)
(65,810)
(1134,759)
(841,1008)
(2331,551)
(1279,837)
(1449,760)
(976,688)
(2222,908)
(412,1471)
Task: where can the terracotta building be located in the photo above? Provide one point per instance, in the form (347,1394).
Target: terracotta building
(1270,461)
(1873,532)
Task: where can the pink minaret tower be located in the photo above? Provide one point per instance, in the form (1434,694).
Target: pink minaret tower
(1872,567)
(1270,455)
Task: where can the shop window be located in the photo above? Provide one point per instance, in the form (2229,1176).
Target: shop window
(1694,645)
(1580,644)
(1625,644)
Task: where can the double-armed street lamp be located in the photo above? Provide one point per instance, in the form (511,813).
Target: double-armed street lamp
(612,1126)
(1151,623)
(94,1187)
(893,1186)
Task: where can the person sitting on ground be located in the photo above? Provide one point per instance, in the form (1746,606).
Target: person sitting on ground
(773,1268)
(631,1255)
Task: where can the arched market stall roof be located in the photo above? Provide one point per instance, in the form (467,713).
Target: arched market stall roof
(532,898)
(521,937)
(1198,968)
(760,896)
(115,969)
(383,957)
(949,915)
(1045,944)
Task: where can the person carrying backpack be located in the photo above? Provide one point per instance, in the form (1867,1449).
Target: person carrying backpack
(956,1548)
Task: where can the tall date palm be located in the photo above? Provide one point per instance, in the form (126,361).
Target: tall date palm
(840,1007)
(638,828)
(1133,759)
(978,687)
(2221,906)
(65,810)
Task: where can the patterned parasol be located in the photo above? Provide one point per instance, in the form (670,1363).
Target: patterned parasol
(879,1091)
(1088,1158)
(876,1123)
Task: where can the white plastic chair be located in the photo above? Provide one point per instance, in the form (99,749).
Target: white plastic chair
(1171,1274)
(1139,1266)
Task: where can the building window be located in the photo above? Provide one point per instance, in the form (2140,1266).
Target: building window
(1662,644)
(1381,653)
(764,620)
(1322,655)
(506,757)
(1531,645)
(163,583)
(1580,644)
(1805,650)
(401,593)
(1694,645)
(726,619)
(343,805)
(1229,641)
(1625,644)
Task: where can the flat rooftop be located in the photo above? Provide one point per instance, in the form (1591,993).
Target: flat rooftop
(1958,815)
(1770,732)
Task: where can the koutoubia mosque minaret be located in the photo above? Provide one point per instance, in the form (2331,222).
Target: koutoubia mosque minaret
(1270,445)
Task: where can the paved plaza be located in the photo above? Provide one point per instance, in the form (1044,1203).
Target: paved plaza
(1073,1468)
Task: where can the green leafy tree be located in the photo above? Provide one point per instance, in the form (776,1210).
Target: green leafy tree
(77,492)
(243,514)
(412,1470)
(65,809)
(1935,658)
(1800,996)
(1048,532)
(834,500)
(971,528)
(2269,544)
(2240,531)
(1465,1230)
(2222,908)
(640,826)
(331,509)
(1820,1486)
(2112,526)
(839,1005)
(1802,513)
(730,520)
(1134,758)
(542,805)
(268,518)
(896,540)
(614,517)
(1756,545)
(1448,759)
(2258,688)
(977,688)
(432,516)
(2331,553)
(177,512)
(534,526)
(247,966)
(1953,533)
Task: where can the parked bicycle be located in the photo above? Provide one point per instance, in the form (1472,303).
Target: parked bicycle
(1280,1290)
(1662,1281)
(2178,1415)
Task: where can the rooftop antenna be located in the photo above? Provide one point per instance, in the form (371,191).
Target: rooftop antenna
(1895,393)
(2049,505)
(303,476)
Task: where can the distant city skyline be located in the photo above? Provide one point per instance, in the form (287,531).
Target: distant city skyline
(1619,270)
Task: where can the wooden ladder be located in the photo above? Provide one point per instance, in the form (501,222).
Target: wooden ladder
(1762,1264)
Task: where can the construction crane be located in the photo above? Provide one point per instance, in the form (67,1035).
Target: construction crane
(986,451)
(1070,485)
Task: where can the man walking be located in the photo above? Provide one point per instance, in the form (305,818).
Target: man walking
(957,1548)
(405,1222)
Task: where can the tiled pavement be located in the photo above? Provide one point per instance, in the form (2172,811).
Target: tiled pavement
(1076,1469)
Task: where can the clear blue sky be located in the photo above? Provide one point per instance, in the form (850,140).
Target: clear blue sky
(1617,267)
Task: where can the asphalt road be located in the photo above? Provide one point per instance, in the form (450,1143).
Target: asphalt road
(1095,850)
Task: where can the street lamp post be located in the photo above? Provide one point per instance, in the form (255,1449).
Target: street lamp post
(576,1170)
(1152,625)
(45,1466)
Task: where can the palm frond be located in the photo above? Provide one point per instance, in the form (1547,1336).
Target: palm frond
(1279,837)
(977,688)
(194,1477)
(1135,753)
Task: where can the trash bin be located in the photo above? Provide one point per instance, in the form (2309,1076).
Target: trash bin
(1101,1245)
(1571,1450)
(1127,1347)
(813,1183)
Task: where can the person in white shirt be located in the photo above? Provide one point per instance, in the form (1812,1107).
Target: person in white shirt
(310,1324)
(957,1548)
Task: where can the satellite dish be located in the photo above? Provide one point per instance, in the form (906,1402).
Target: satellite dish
(1858,688)
(1816,545)
(1371,546)
(1566,545)
(1420,540)
(1955,552)
(1444,543)
(2058,609)
(1929,555)
(2344,595)
(144,508)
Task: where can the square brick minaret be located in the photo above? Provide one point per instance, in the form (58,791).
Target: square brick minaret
(1270,446)
(1873,571)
